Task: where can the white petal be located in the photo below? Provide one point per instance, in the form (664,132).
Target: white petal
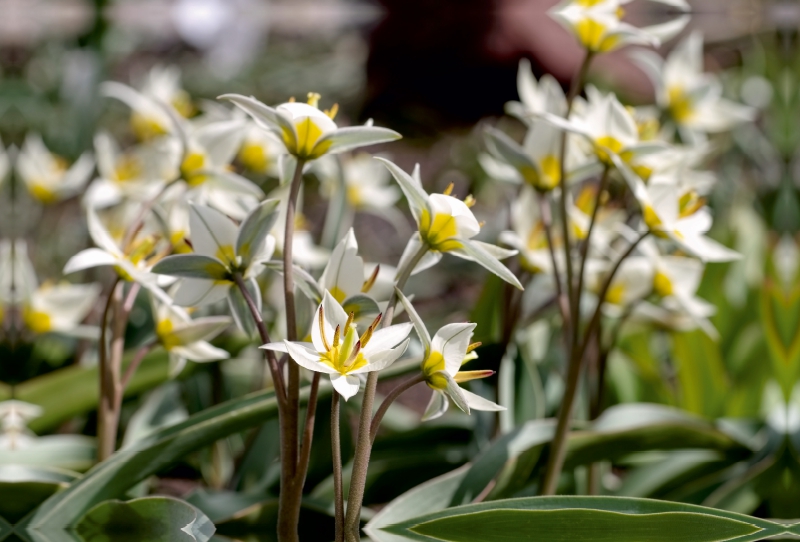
(476,402)
(306,356)
(452,341)
(347,386)
(436,406)
(91,257)
(388,337)
(383,359)
(211,232)
(197,292)
(345,268)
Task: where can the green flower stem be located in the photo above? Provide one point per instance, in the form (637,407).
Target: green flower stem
(106,426)
(575,87)
(135,362)
(336,455)
(387,402)
(585,249)
(558,448)
(291,477)
(363,450)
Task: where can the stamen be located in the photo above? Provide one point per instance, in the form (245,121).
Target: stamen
(353,355)
(377,321)
(350,318)
(449,189)
(482,223)
(291,99)
(370,282)
(473,346)
(469,201)
(366,336)
(331,113)
(322,328)
(313,99)
(466,376)
(336,335)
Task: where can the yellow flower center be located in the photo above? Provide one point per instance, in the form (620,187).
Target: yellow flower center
(432,368)
(254,157)
(343,356)
(190,167)
(690,203)
(612,144)
(36,321)
(338,294)
(680,105)
(182,103)
(128,168)
(42,193)
(146,128)
(308,134)
(593,35)
(226,254)
(662,285)
(164,331)
(354,196)
(440,232)
(615,294)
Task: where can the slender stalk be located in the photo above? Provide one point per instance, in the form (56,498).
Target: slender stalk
(272,361)
(135,362)
(105,409)
(387,402)
(364,441)
(547,223)
(585,250)
(336,455)
(291,477)
(308,431)
(558,448)
(577,84)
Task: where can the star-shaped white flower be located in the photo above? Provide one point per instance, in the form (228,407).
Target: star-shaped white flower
(48,177)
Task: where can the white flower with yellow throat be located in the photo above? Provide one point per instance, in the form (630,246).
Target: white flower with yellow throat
(48,177)
(337,350)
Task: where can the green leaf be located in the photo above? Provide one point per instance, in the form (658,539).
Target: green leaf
(430,496)
(162,519)
(195,266)
(23,488)
(701,373)
(113,477)
(591,519)
(72,452)
(73,391)
(254,230)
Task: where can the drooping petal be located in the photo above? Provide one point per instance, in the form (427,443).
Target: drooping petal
(476,402)
(437,406)
(479,255)
(346,385)
(197,292)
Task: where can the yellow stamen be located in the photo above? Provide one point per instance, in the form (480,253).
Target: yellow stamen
(449,189)
(370,282)
(321,322)
(313,99)
(336,335)
(473,346)
(469,201)
(466,376)
(350,318)
(331,113)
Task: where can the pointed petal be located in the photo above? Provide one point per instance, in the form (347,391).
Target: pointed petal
(197,292)
(476,402)
(452,341)
(437,406)
(346,385)
(419,325)
(212,233)
(191,266)
(254,230)
(416,196)
(91,257)
(387,338)
(353,137)
(480,256)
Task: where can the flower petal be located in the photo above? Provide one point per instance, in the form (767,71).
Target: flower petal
(452,341)
(353,137)
(346,385)
(437,406)
(212,233)
(91,257)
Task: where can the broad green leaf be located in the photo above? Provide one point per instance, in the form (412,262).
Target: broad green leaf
(113,477)
(701,373)
(566,518)
(431,496)
(193,266)
(156,519)
(23,488)
(72,452)
(72,391)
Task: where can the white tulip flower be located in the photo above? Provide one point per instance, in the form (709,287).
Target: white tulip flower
(598,25)
(337,350)
(307,132)
(60,308)
(446,224)
(692,98)
(48,177)
(528,235)
(14,418)
(443,357)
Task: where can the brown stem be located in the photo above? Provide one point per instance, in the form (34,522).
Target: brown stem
(291,477)
(558,447)
(106,437)
(547,223)
(336,454)
(308,431)
(135,362)
(358,479)
(387,402)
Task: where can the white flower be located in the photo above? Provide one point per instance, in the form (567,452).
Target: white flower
(47,176)
(307,132)
(60,308)
(259,150)
(692,98)
(185,338)
(337,350)
(163,83)
(131,262)
(528,236)
(446,224)
(683,220)
(344,278)
(598,25)
(221,250)
(543,96)
(150,116)
(137,174)
(209,150)
(443,357)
